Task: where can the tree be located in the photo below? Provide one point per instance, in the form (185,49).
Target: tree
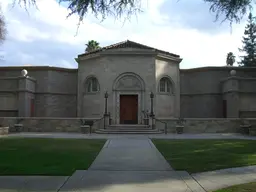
(249,43)
(3,30)
(92,46)
(232,10)
(231,59)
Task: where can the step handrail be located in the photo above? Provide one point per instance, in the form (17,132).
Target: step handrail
(91,123)
(165,124)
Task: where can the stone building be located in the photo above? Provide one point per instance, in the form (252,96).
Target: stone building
(128,72)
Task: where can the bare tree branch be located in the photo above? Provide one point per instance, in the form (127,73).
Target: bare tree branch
(232,10)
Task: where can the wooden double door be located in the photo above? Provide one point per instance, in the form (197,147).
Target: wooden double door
(128,109)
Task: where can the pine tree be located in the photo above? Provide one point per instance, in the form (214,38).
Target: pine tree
(249,44)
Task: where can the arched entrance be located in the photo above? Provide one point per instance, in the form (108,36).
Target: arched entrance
(128,95)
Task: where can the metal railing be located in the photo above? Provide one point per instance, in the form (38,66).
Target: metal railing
(99,120)
(165,124)
(90,123)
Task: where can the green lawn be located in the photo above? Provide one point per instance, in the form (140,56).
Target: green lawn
(206,155)
(249,187)
(35,156)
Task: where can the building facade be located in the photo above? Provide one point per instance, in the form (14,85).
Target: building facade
(128,72)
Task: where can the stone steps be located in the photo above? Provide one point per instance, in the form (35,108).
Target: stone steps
(105,131)
(128,129)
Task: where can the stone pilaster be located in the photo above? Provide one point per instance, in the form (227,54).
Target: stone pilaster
(230,90)
(106,120)
(26,96)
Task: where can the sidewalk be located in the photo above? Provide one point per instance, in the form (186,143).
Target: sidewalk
(116,136)
(214,180)
(130,155)
(125,164)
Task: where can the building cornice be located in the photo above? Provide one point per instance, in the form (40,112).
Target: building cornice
(87,57)
(168,57)
(238,78)
(37,68)
(211,68)
(115,53)
(142,52)
(27,77)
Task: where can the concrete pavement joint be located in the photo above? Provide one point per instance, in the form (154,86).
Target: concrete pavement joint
(66,180)
(106,143)
(197,182)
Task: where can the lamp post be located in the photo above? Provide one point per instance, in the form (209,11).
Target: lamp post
(151,98)
(106,108)
(152,111)
(106,103)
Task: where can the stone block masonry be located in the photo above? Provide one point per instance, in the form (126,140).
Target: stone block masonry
(37,124)
(204,125)
(41,124)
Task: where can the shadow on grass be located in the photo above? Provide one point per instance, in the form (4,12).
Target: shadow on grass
(206,155)
(41,156)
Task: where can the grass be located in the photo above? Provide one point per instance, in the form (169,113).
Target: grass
(207,155)
(40,156)
(248,187)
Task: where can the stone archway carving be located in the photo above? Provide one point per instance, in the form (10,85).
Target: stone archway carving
(128,84)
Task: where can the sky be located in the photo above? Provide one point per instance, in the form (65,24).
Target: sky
(43,36)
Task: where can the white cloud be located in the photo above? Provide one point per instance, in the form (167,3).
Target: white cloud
(46,37)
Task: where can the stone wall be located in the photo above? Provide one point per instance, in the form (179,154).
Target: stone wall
(204,125)
(247,97)
(8,96)
(202,94)
(192,125)
(55,90)
(49,124)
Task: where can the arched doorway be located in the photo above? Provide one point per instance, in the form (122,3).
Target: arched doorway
(128,95)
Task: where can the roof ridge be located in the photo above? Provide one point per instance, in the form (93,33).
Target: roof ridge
(129,43)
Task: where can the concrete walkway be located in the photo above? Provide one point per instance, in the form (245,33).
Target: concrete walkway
(128,165)
(116,136)
(130,155)
(214,180)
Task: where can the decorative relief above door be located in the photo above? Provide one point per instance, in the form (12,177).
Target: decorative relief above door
(129,83)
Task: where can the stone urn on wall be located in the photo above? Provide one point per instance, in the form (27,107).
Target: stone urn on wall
(146,117)
(245,126)
(4,130)
(180,126)
(18,126)
(86,126)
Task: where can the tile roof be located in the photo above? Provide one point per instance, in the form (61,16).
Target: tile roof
(128,44)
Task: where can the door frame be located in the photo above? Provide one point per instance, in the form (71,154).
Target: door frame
(137,99)
(117,101)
